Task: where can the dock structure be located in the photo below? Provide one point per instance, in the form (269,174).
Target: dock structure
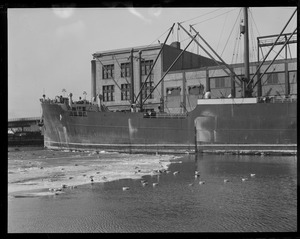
(24,131)
(23,124)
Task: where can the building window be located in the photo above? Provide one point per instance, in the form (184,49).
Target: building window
(146,66)
(125,91)
(196,89)
(292,77)
(108,92)
(272,78)
(108,71)
(147,89)
(173,91)
(220,82)
(125,69)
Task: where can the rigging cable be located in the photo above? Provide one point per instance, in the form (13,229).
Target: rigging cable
(120,68)
(238,48)
(251,16)
(154,40)
(252,42)
(212,17)
(113,78)
(231,31)
(222,33)
(276,52)
(253,20)
(201,15)
(292,84)
(269,75)
(290,51)
(235,47)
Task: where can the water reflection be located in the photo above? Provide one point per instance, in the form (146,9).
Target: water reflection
(266,202)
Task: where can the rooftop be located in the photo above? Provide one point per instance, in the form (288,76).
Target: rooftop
(127,50)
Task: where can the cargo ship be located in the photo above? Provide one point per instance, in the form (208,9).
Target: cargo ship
(249,124)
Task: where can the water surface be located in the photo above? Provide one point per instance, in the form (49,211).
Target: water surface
(266,202)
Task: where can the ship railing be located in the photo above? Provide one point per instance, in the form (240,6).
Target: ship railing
(168,116)
(274,99)
(283,100)
(24,119)
(54,101)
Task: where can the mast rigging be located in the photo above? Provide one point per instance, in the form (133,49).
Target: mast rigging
(197,33)
(169,69)
(141,88)
(260,65)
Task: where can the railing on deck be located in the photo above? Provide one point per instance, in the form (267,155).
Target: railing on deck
(24,119)
(166,116)
(274,99)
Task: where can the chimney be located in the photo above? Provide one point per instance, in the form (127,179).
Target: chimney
(175,44)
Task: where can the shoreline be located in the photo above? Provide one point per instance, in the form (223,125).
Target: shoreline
(42,172)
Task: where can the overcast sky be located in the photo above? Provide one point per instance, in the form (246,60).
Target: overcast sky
(51,49)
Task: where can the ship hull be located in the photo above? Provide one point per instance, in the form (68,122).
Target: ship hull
(208,128)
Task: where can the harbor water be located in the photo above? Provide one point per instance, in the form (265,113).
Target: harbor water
(259,194)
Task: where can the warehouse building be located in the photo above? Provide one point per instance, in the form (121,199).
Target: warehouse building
(181,84)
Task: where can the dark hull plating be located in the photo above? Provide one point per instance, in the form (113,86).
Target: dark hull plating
(261,126)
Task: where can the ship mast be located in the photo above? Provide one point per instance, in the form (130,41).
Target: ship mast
(246,89)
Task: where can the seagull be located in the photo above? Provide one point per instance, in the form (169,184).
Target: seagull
(226,180)
(201,182)
(191,184)
(197,175)
(252,174)
(125,188)
(145,184)
(244,179)
(155,184)
(176,172)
